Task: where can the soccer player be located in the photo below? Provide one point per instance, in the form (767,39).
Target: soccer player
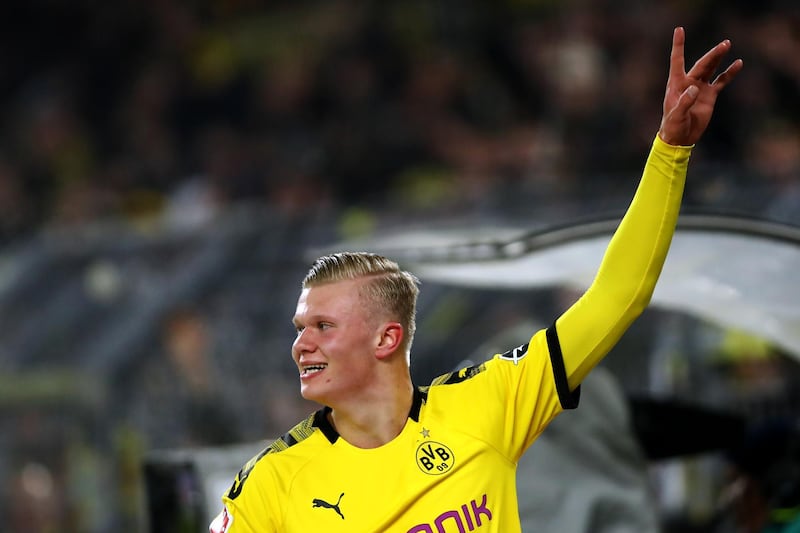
(385,455)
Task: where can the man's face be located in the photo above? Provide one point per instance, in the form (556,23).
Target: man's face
(335,344)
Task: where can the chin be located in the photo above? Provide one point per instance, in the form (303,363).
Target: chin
(309,394)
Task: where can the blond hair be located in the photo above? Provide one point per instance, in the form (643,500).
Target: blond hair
(388,288)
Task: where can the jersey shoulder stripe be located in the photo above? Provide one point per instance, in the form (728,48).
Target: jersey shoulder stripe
(463,374)
(297,434)
(459,375)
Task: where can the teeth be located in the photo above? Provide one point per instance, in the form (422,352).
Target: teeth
(313,368)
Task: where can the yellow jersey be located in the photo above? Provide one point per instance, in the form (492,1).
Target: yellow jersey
(452,468)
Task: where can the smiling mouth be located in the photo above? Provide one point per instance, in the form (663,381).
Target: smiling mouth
(312,369)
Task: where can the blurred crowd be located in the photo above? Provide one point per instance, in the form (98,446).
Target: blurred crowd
(175,110)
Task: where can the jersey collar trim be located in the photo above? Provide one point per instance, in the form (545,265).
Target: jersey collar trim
(420,397)
(322,420)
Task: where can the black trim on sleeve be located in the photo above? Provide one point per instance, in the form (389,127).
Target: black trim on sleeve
(569,399)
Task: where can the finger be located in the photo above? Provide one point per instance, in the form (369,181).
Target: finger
(705,67)
(676,59)
(686,100)
(727,76)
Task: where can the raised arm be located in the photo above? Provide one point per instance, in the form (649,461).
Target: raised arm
(632,263)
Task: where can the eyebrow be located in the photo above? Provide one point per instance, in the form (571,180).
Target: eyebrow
(313,318)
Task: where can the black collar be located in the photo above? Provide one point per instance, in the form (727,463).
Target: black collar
(323,422)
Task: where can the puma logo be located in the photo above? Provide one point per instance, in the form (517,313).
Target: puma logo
(317,502)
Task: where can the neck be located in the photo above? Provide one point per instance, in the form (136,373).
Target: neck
(377,422)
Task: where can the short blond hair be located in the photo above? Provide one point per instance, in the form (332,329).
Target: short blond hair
(389,288)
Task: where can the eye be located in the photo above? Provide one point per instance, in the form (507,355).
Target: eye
(323,326)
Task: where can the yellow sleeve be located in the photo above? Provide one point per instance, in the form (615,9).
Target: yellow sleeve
(627,276)
(251,510)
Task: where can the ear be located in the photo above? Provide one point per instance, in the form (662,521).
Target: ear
(391,336)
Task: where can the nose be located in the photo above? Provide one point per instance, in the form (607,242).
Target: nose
(302,344)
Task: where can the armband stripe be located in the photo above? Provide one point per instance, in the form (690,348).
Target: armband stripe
(569,399)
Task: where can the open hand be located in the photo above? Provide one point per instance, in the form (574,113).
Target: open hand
(691,96)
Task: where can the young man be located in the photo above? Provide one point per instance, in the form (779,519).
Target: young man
(384,455)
